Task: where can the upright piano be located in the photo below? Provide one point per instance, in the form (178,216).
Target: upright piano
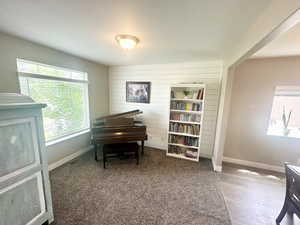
(118,128)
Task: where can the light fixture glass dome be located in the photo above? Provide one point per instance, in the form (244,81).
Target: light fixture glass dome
(127,41)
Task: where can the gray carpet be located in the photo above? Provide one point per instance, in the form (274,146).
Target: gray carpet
(159,191)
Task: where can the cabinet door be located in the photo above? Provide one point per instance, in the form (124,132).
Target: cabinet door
(23,202)
(21,184)
(19,149)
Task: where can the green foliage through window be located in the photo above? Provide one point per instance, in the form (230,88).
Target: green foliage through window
(67,107)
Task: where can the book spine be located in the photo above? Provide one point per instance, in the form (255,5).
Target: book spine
(189,141)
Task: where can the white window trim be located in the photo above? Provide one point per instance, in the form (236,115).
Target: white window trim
(48,77)
(284,91)
(51,66)
(67,137)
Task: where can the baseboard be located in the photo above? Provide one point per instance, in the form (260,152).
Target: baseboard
(163,148)
(156,146)
(68,158)
(254,164)
(204,155)
(215,167)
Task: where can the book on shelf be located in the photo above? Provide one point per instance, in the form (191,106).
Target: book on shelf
(184,140)
(184,128)
(200,94)
(189,153)
(176,150)
(185,117)
(186,106)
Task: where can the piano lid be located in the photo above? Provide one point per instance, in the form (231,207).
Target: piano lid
(120,115)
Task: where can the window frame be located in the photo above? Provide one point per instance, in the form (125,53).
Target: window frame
(85,82)
(283,91)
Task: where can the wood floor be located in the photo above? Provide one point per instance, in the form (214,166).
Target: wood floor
(254,197)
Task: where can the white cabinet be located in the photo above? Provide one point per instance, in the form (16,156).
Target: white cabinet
(25,196)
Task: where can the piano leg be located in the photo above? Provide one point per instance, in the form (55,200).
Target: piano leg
(104,155)
(137,155)
(142,147)
(96,150)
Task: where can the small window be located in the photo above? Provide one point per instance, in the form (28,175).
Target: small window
(285,115)
(63,90)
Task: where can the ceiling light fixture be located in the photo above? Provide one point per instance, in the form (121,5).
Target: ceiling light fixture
(127,41)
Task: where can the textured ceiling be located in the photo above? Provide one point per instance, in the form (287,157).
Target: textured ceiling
(169,30)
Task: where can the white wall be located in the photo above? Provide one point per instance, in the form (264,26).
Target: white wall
(12,48)
(252,97)
(156,114)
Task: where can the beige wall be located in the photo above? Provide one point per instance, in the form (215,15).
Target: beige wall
(12,48)
(251,105)
(270,18)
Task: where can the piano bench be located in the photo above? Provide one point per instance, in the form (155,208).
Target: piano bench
(120,150)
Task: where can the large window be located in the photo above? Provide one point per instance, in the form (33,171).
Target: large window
(64,91)
(285,115)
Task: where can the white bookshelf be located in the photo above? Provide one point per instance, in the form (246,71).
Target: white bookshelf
(185,121)
(186,100)
(185,146)
(180,156)
(183,134)
(185,111)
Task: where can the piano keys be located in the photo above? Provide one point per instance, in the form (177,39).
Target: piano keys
(118,128)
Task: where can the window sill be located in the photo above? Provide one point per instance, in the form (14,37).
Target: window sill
(68,137)
(292,133)
(283,136)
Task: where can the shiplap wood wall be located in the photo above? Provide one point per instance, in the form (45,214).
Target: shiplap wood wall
(156,114)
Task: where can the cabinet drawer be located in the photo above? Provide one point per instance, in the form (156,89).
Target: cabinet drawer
(19,149)
(23,202)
